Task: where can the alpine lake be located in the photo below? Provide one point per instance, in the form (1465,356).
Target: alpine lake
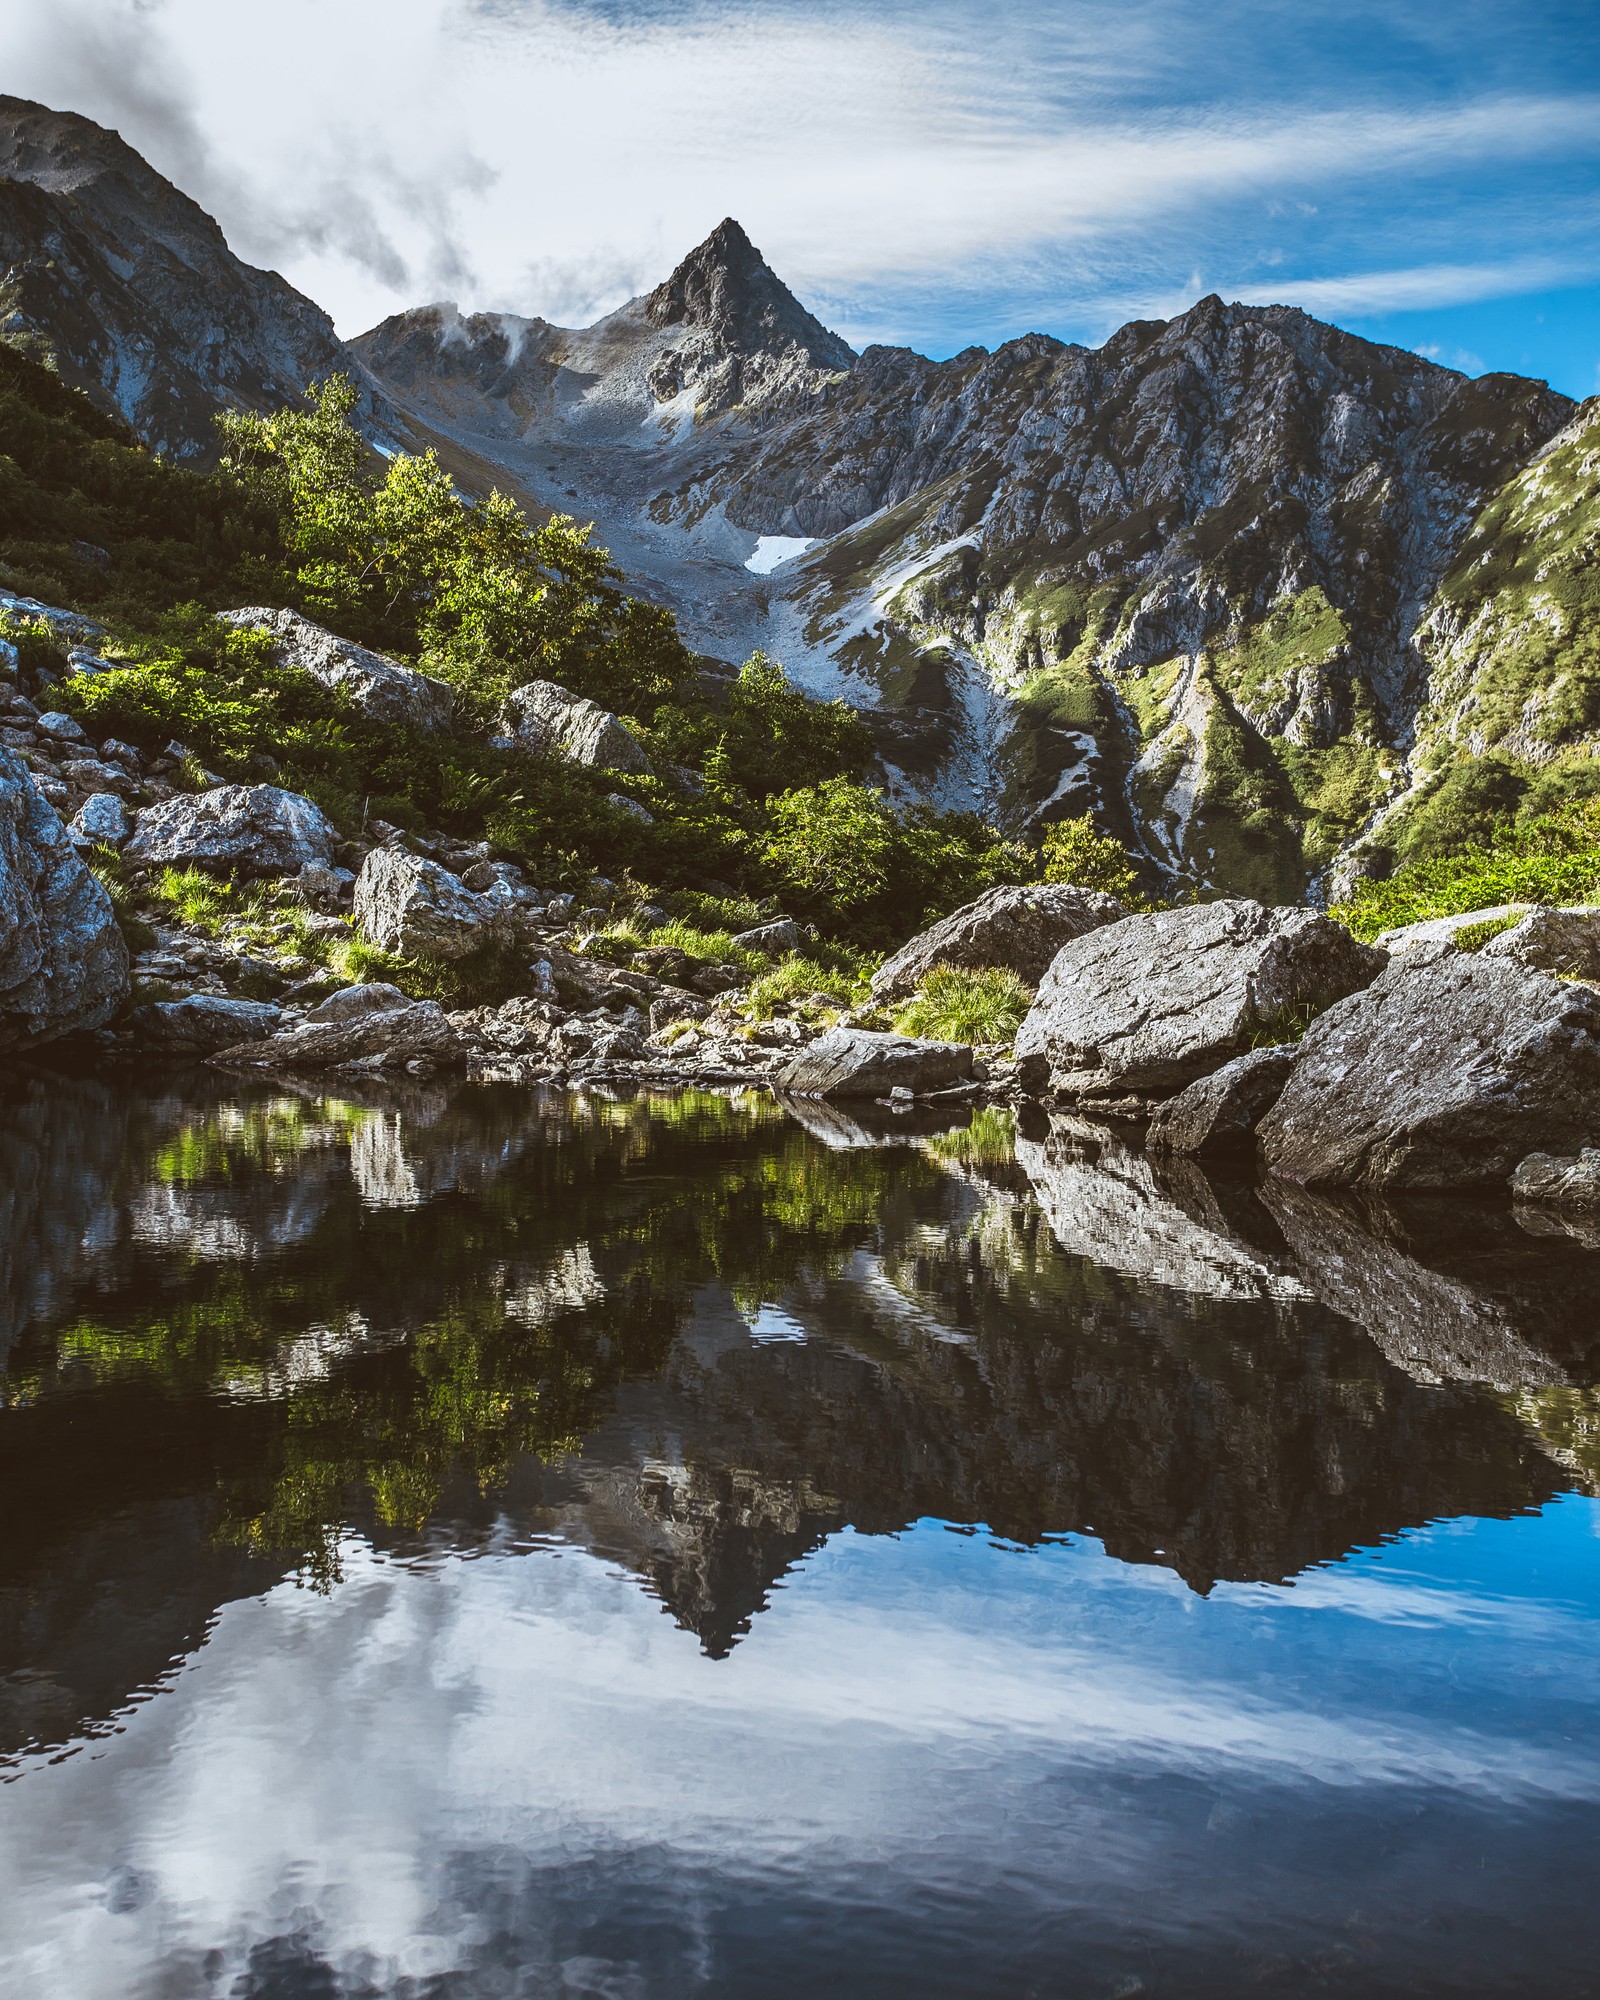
(469,1542)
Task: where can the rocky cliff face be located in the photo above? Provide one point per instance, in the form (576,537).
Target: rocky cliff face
(1176,580)
(133,287)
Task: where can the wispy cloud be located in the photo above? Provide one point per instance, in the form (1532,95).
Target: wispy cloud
(929,172)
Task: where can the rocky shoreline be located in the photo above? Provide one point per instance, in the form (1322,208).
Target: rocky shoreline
(1448,1056)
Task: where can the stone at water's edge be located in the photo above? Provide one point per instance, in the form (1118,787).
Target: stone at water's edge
(412,906)
(1143,1007)
(387,1036)
(1563,1182)
(200,1024)
(63,962)
(1445,1072)
(551,721)
(1017,929)
(237,829)
(856,1062)
(1219,1113)
(379,687)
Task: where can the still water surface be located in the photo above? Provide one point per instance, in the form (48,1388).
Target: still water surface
(469,1544)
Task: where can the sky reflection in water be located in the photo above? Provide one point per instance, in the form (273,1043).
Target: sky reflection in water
(737,1692)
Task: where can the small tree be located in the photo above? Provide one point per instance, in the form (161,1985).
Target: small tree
(1075,853)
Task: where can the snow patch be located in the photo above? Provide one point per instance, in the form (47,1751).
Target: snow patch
(772,550)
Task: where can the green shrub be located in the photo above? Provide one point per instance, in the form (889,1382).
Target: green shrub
(1075,853)
(954,1004)
(796,979)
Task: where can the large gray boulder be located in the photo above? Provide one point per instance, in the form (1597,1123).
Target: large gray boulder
(388,1032)
(1562,1180)
(1018,929)
(200,1023)
(1565,941)
(234,829)
(376,685)
(1445,930)
(1445,1072)
(63,963)
(551,721)
(1141,1008)
(412,906)
(856,1062)
(1218,1114)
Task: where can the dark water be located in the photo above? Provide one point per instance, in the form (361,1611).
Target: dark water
(470,1544)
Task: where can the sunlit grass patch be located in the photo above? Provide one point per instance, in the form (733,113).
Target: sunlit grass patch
(954,1004)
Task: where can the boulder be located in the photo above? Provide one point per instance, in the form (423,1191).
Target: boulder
(200,1024)
(1445,1072)
(63,963)
(1141,1008)
(855,1062)
(1562,1181)
(1565,941)
(1443,930)
(1020,930)
(236,829)
(551,721)
(101,821)
(60,727)
(376,1036)
(376,685)
(1218,1114)
(355,1003)
(408,905)
(776,939)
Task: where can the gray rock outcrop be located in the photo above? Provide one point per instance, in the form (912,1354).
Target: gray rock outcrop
(376,1027)
(551,721)
(1218,1114)
(1019,929)
(379,687)
(777,939)
(856,1062)
(200,1024)
(1564,941)
(63,962)
(412,906)
(234,829)
(1445,1072)
(1141,1008)
(1445,930)
(1564,1181)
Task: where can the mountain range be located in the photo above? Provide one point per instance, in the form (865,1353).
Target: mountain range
(1242,585)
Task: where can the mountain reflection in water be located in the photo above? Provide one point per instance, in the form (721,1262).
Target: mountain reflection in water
(269,1359)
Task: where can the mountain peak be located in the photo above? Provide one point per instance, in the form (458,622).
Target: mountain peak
(726,287)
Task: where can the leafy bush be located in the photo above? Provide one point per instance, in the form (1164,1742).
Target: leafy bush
(1075,853)
(954,1004)
(1551,859)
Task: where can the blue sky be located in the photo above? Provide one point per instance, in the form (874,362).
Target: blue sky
(938,173)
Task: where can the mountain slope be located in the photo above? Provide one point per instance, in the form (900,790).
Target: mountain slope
(1175,580)
(132,286)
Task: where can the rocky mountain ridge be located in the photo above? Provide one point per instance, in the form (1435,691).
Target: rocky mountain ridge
(1240,585)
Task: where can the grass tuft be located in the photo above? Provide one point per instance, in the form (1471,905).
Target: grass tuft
(957,1005)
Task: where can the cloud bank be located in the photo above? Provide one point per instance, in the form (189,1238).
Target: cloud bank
(936,174)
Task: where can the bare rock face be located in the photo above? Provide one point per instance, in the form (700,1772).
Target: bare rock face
(235,829)
(1562,1182)
(379,687)
(380,1030)
(63,963)
(101,821)
(200,1024)
(855,1062)
(1445,1072)
(551,721)
(1019,929)
(412,906)
(1143,1007)
(1445,930)
(1218,1114)
(1565,941)
(776,939)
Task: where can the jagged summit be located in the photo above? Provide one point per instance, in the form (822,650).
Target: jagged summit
(726,288)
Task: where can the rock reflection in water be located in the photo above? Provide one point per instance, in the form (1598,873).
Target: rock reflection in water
(253,1321)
